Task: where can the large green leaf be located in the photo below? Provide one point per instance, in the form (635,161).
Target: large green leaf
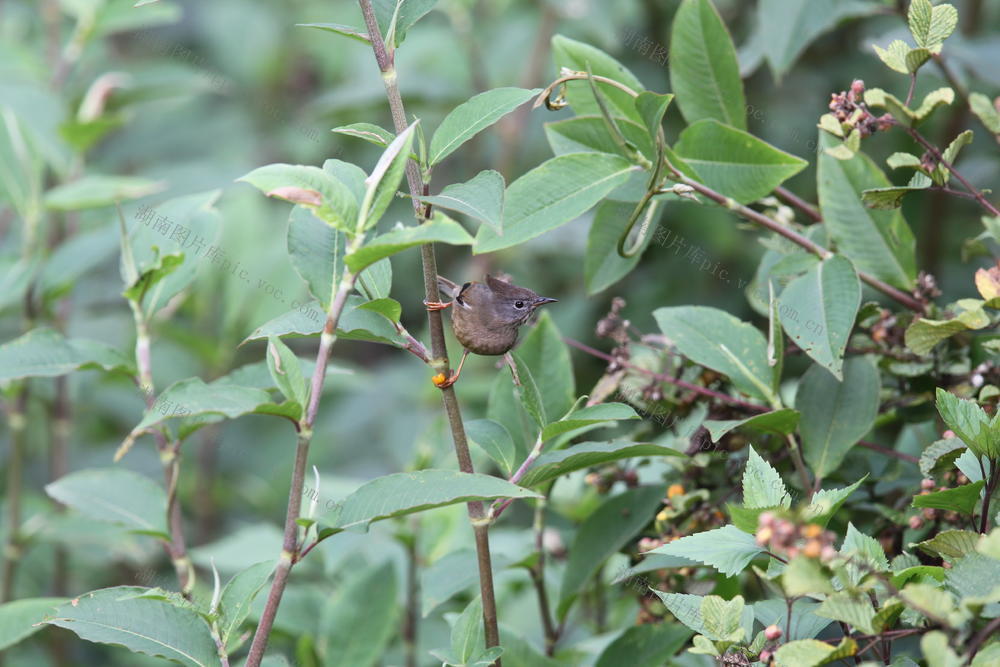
(970,423)
(142,625)
(836,414)
(716,339)
(592,415)
(238,596)
(818,309)
(115,495)
(470,118)
(776,421)
(22,618)
(97,190)
(602,265)
(879,242)
(193,397)
(480,197)
(590,133)
(728,549)
(603,533)
(581,57)
(409,12)
(494,439)
(347,637)
(439,229)
(787,27)
(704,73)
(734,162)
(317,253)
(552,194)
(306,185)
(545,353)
(407,492)
(356,323)
(587,454)
(649,645)
(47,353)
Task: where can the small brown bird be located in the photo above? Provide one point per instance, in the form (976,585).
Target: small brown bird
(486,317)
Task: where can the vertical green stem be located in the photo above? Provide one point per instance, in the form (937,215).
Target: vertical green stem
(18,421)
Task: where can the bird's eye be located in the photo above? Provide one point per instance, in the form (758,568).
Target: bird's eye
(519,304)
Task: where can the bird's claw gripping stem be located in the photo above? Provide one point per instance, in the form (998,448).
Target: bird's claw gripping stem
(436,305)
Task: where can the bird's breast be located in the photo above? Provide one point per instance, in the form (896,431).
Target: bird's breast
(479,337)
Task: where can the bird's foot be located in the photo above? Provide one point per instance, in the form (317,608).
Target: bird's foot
(436,305)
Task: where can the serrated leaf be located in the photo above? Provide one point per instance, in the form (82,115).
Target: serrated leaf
(985,111)
(727,549)
(855,610)
(813,653)
(923,334)
(734,162)
(916,58)
(941,174)
(554,193)
(970,423)
(950,544)
(471,117)
(115,616)
(940,456)
(704,72)
(825,503)
(931,25)
(762,485)
(894,56)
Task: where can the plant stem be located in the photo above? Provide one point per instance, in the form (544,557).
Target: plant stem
(439,350)
(933,150)
(991,486)
(799,203)
(290,553)
(18,420)
(538,578)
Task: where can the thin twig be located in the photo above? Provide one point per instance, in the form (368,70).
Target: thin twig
(977,194)
(439,350)
(799,203)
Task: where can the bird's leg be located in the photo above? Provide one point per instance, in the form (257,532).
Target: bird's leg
(442,382)
(436,305)
(513,368)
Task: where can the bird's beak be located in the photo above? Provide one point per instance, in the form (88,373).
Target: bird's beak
(542,300)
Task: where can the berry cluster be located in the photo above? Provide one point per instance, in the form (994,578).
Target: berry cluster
(782,536)
(849,107)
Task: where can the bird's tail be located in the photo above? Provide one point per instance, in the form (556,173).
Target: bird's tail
(448,288)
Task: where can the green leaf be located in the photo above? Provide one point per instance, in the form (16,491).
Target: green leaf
(494,439)
(142,625)
(473,116)
(286,370)
(374,134)
(554,193)
(603,533)
(652,107)
(762,485)
(439,229)
(941,174)
(890,198)
(382,183)
(985,111)
(728,549)
(115,495)
(602,413)
(916,58)
(580,57)
(409,12)
(923,334)
(480,198)
(825,503)
(238,596)
(529,393)
(648,645)
(317,253)
(22,618)
(860,547)
(813,652)
(404,493)
(467,633)
(734,162)
(894,56)
(192,397)
(454,572)
(98,191)
(818,310)
(545,353)
(602,265)
(375,281)
(356,323)
(787,27)
(776,421)
(722,618)
(836,414)
(704,73)
(347,637)
(936,648)
(551,465)
(879,242)
(970,423)
(45,352)
(950,544)
(931,25)
(717,340)
(339,29)
(804,576)
(962,498)
(312,187)
(390,309)
(855,610)
(940,455)
(590,134)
